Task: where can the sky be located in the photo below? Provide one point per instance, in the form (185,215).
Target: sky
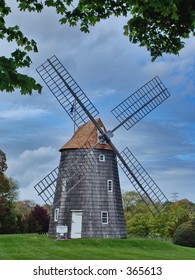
(108,68)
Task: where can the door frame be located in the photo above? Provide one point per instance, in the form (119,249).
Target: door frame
(77,234)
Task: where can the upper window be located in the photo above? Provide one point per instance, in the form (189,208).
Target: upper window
(63,185)
(102,157)
(56,214)
(110,185)
(104,217)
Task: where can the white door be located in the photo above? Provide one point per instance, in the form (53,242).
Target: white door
(76,226)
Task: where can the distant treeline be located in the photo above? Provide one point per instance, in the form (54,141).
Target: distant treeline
(140,221)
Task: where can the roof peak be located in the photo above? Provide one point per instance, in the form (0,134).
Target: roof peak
(86,136)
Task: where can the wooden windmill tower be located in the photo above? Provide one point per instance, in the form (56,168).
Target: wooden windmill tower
(85,190)
(88,192)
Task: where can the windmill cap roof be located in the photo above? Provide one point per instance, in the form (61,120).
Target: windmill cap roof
(86,136)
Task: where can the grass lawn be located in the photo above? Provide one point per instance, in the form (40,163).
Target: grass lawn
(41,247)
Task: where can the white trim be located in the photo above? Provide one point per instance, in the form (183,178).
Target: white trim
(102,157)
(104,217)
(110,186)
(76,224)
(64,185)
(56,214)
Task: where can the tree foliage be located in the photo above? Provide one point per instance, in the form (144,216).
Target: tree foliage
(8,194)
(160,26)
(41,215)
(3,165)
(185,234)
(31,218)
(19,216)
(10,77)
(140,222)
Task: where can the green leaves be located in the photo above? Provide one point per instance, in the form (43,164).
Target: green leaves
(30,5)
(10,78)
(3,165)
(4,9)
(140,222)
(159,26)
(185,234)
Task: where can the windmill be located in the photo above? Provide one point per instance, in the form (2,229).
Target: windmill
(85,190)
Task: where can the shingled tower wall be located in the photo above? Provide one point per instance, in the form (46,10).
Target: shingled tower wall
(89,189)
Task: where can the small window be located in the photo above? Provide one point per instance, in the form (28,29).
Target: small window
(110,185)
(101,157)
(63,185)
(56,214)
(104,217)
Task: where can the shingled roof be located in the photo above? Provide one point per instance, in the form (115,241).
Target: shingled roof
(86,136)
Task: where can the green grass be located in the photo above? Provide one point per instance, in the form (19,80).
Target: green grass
(41,247)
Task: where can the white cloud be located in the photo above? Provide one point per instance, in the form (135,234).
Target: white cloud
(31,167)
(21,113)
(179,172)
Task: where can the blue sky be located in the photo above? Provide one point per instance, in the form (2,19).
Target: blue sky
(108,69)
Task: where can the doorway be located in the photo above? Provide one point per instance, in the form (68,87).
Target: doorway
(76,225)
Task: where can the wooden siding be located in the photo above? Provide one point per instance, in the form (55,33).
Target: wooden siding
(90,195)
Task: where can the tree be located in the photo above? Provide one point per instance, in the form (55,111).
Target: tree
(176,213)
(130,200)
(41,215)
(25,206)
(185,234)
(23,215)
(136,214)
(9,75)
(140,221)
(8,194)
(3,165)
(32,225)
(160,26)
(31,217)
(138,225)
(4,187)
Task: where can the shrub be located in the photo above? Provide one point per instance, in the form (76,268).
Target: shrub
(185,234)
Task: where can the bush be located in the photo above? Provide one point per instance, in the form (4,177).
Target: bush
(185,234)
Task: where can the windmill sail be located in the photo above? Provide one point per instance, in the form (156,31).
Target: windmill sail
(142,182)
(140,103)
(46,187)
(75,173)
(82,164)
(128,113)
(65,88)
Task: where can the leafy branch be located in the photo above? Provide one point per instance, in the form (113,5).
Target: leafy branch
(160,26)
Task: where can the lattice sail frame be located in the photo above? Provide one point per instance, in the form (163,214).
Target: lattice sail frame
(83,165)
(46,187)
(144,185)
(85,162)
(62,84)
(138,105)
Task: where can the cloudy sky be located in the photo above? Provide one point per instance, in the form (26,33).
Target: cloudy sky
(108,69)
